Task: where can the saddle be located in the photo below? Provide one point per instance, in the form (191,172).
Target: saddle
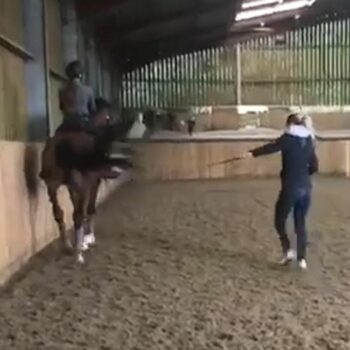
(79,123)
(76,123)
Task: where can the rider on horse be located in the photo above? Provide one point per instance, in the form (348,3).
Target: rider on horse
(78,104)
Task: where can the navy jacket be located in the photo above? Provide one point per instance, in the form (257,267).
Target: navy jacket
(299,160)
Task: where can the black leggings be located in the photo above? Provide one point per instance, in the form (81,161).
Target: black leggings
(297,200)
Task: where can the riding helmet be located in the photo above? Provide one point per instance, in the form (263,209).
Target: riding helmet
(74,70)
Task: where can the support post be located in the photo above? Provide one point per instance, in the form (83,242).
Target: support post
(347,159)
(47,68)
(35,70)
(238,75)
(70,30)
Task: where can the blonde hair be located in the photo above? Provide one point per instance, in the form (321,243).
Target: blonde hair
(308,123)
(307,120)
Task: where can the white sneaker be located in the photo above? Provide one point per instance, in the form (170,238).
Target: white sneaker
(290,256)
(302,264)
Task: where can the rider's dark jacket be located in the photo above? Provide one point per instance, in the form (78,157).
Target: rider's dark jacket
(77,104)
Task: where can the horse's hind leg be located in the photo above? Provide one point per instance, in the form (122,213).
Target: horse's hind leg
(59,217)
(74,196)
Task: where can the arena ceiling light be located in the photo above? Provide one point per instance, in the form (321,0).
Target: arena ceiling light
(270,10)
(247,5)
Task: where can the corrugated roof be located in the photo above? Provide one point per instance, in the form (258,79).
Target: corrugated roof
(140,31)
(260,9)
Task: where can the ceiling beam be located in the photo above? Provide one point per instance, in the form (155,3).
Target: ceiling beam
(201,43)
(154,56)
(158,20)
(189,11)
(215,41)
(170,40)
(141,55)
(90,9)
(176,46)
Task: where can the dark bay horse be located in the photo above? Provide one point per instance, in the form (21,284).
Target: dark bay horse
(78,159)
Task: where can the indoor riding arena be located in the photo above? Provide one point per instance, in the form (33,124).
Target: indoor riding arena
(186,254)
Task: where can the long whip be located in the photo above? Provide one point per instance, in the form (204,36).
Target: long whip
(225,161)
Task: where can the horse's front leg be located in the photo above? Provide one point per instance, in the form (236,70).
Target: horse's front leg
(80,194)
(79,218)
(90,238)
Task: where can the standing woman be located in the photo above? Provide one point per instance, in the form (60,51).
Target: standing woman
(299,162)
(307,120)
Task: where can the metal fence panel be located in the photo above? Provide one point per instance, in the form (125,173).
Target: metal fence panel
(309,66)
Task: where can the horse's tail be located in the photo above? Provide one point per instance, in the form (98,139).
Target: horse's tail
(48,161)
(45,173)
(42,175)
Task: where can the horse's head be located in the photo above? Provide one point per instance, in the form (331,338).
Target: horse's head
(108,128)
(102,116)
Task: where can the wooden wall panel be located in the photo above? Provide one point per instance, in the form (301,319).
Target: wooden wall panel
(11,20)
(170,161)
(192,160)
(13,116)
(55,112)
(13,109)
(333,157)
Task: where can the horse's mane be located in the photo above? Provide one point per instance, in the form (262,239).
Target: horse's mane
(101,104)
(118,129)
